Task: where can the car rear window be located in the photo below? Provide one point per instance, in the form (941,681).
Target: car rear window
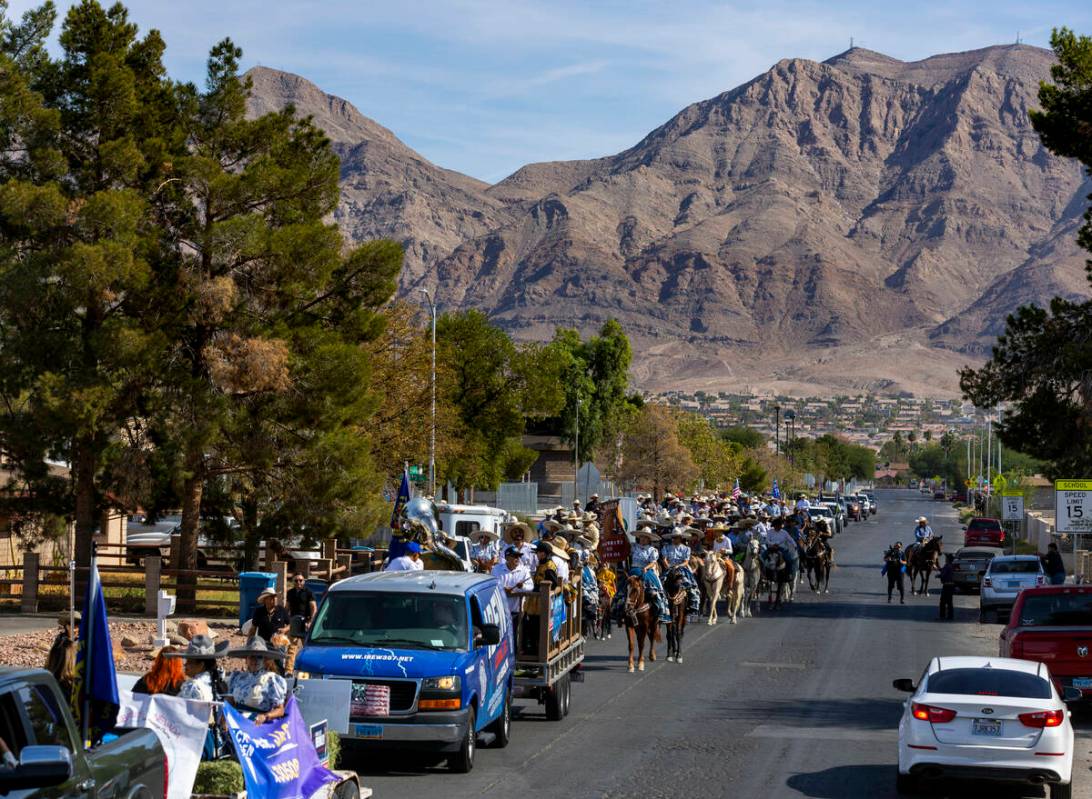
(1014,566)
(984,524)
(989,682)
(1056,610)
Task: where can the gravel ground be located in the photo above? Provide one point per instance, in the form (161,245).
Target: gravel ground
(132,641)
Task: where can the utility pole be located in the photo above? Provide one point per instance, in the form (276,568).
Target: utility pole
(777,429)
(432,431)
(576,451)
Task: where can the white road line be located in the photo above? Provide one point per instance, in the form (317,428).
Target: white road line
(819,734)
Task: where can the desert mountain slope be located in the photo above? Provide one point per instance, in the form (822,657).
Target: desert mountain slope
(858,223)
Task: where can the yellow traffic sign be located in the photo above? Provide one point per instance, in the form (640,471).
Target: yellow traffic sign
(1073,485)
(1013,492)
(969,483)
(1000,482)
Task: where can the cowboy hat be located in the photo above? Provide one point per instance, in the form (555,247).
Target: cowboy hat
(591,516)
(561,549)
(524,528)
(584,541)
(646,523)
(256,647)
(489,533)
(201,647)
(746,524)
(644,532)
(267,592)
(922,519)
(551,524)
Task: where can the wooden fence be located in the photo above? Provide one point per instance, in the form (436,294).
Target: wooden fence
(35,586)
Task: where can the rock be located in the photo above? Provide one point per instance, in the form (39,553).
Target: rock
(188,628)
(129,643)
(176,640)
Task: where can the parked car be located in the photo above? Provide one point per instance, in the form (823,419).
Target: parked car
(988,719)
(1053,625)
(983,532)
(853,507)
(872,502)
(970,565)
(940,494)
(1004,579)
(839,514)
(37,726)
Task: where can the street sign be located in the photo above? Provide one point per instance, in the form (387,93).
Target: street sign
(1073,506)
(1012,508)
(969,483)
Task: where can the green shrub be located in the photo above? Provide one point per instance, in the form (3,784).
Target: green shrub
(333,749)
(219,777)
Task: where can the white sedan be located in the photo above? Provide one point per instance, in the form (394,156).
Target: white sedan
(987,719)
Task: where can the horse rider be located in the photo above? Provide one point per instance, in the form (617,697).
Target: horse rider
(822,529)
(894,566)
(923,532)
(643,558)
(722,544)
(780,537)
(677,555)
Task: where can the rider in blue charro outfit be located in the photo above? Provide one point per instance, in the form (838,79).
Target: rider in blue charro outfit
(678,554)
(643,558)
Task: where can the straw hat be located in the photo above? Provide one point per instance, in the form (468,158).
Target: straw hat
(644,532)
(477,534)
(256,647)
(201,647)
(552,525)
(527,533)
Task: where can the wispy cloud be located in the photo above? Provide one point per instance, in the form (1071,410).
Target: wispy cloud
(485,86)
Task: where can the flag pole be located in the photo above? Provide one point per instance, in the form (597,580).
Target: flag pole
(88,629)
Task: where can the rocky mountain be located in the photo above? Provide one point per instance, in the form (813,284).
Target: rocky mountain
(861,223)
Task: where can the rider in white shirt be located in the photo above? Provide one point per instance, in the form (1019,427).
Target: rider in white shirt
(923,532)
(802,503)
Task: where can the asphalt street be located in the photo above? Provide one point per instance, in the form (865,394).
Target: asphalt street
(791,703)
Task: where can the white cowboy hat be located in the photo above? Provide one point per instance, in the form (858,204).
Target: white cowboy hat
(644,532)
(477,534)
(922,519)
(551,524)
(527,533)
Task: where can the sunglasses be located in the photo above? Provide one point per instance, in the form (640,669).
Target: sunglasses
(300,580)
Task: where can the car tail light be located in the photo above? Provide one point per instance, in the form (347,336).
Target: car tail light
(1043,718)
(932,714)
(1039,580)
(986,581)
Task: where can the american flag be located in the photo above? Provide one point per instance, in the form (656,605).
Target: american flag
(371,700)
(736,493)
(776,492)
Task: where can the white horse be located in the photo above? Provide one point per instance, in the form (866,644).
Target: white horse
(752,573)
(712,575)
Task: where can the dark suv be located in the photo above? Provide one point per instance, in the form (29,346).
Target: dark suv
(983,532)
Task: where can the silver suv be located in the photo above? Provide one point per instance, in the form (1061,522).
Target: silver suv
(1005,578)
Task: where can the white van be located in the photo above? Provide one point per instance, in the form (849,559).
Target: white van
(463,521)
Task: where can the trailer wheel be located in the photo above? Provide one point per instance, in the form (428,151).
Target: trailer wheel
(347,790)
(566,694)
(463,761)
(502,727)
(554,709)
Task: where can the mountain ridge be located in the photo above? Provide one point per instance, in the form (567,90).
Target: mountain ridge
(859,223)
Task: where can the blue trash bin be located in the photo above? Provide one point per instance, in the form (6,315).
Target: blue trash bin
(250,585)
(318,588)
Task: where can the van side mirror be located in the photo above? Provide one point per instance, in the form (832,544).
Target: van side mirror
(904,684)
(39,767)
(488,635)
(1071,694)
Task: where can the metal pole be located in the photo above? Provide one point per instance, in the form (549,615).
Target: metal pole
(432,432)
(989,453)
(777,430)
(576,452)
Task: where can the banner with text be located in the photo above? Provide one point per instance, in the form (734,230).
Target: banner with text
(181,725)
(278,757)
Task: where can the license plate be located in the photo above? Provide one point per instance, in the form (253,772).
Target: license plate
(986,727)
(1082,682)
(374,731)
(1015,583)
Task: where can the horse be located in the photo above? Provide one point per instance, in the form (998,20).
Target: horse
(818,562)
(921,560)
(641,622)
(752,574)
(733,589)
(675,588)
(778,576)
(712,578)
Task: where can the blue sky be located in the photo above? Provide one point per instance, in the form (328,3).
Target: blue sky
(485,86)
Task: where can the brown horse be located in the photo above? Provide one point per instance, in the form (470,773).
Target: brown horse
(675,588)
(921,561)
(641,622)
(818,562)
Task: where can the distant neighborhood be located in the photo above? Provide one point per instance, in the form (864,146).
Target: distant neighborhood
(868,420)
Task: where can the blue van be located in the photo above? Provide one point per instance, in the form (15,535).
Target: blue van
(430,655)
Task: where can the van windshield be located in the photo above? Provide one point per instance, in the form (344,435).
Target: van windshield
(391,621)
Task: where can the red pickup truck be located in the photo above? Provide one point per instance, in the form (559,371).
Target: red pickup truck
(1053,625)
(983,532)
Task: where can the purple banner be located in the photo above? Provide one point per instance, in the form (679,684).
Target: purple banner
(278,757)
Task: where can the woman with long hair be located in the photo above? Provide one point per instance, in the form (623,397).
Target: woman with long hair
(165,677)
(61,663)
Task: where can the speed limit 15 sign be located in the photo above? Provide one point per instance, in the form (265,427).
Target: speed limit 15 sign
(1073,506)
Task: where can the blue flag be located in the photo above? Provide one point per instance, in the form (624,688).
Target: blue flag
(95,690)
(278,757)
(401,500)
(775,492)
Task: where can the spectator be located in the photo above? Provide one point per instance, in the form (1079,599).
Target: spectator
(258,690)
(409,562)
(61,663)
(269,618)
(1053,565)
(165,677)
(301,608)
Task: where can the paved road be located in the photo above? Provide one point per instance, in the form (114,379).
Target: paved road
(793,703)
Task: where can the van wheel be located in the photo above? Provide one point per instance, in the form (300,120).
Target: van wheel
(1061,791)
(463,761)
(554,709)
(502,727)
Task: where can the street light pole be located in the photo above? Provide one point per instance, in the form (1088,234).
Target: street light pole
(432,431)
(576,452)
(777,429)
